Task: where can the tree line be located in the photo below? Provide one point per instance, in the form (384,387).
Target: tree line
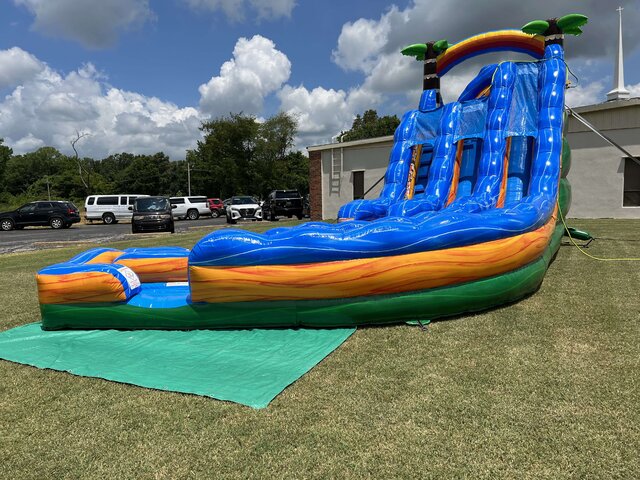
(370,125)
(238,155)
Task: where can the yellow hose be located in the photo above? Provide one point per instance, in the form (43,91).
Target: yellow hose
(588,254)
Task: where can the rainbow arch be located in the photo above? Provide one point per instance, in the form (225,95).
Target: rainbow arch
(498,41)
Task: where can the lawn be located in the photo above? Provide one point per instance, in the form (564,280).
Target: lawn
(548,387)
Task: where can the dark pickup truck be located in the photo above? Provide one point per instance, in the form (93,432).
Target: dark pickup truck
(286,203)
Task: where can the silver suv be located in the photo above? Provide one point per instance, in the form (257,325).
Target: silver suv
(190,207)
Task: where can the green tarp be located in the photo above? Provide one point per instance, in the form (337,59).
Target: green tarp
(249,367)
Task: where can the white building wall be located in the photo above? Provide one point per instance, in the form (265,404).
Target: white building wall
(597,168)
(373,159)
(597,174)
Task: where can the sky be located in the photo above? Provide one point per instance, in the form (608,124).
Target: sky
(141,76)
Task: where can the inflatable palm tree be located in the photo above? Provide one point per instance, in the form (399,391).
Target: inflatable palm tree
(554,29)
(427,53)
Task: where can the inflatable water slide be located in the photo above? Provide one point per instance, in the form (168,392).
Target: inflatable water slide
(467,220)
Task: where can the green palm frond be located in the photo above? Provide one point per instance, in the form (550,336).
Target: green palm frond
(572,31)
(417,50)
(440,46)
(568,23)
(536,27)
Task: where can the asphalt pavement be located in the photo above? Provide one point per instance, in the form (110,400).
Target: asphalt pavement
(39,238)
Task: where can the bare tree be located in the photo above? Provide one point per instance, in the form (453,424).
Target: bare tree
(81,170)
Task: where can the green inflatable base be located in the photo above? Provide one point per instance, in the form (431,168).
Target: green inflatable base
(373,310)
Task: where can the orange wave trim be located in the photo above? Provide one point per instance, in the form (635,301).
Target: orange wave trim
(505,174)
(370,276)
(152,270)
(82,287)
(414,166)
(453,189)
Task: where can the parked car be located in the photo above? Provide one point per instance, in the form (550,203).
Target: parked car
(216,206)
(152,214)
(54,213)
(243,208)
(190,207)
(283,203)
(109,208)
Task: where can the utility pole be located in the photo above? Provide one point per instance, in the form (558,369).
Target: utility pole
(188,178)
(48,191)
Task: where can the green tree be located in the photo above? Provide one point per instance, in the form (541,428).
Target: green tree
(295,175)
(23,170)
(239,155)
(145,174)
(223,158)
(370,125)
(274,156)
(5,155)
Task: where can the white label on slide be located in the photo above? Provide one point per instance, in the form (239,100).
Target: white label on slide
(130,275)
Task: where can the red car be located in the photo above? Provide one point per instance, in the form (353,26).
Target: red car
(216,206)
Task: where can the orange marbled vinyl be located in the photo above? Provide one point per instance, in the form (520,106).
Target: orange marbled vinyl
(81,287)
(369,276)
(151,270)
(453,189)
(105,257)
(505,173)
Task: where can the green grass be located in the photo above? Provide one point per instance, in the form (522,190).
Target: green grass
(548,387)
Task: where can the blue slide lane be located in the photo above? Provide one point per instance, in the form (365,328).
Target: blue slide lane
(468,221)
(479,83)
(440,171)
(421,123)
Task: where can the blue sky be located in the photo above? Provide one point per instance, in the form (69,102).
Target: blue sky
(140,75)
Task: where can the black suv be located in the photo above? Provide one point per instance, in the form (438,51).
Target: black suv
(283,202)
(152,214)
(53,213)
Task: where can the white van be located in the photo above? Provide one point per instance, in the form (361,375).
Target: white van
(109,208)
(190,207)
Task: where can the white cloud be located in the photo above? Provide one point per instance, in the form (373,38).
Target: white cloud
(256,70)
(361,42)
(587,94)
(16,66)
(93,23)
(634,90)
(323,113)
(48,108)
(28,143)
(236,9)
(394,73)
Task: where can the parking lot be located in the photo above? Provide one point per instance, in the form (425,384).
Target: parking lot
(38,238)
